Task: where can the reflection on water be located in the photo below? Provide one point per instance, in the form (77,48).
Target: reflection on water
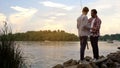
(48,54)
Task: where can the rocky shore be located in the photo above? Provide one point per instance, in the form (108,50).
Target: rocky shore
(112,60)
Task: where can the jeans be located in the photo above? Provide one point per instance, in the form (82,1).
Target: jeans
(94,43)
(83,43)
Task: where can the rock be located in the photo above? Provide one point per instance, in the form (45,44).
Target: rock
(117,65)
(101,57)
(67,63)
(93,65)
(114,56)
(88,58)
(78,61)
(118,47)
(74,62)
(84,66)
(58,66)
(110,63)
(101,60)
(74,66)
(70,63)
(104,66)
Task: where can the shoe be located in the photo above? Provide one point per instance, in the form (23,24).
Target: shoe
(94,60)
(83,62)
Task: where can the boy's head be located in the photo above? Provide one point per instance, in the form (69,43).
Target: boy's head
(85,10)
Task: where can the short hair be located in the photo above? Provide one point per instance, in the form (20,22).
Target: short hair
(85,9)
(94,11)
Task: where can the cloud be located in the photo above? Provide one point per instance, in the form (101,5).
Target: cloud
(52,26)
(110,25)
(108,11)
(22,15)
(56,5)
(51,17)
(60,14)
(105,5)
(64,16)
(2,17)
(20,9)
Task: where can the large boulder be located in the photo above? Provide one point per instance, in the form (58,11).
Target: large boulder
(104,66)
(88,58)
(73,66)
(67,63)
(74,62)
(110,64)
(101,57)
(98,61)
(70,63)
(93,65)
(114,56)
(118,47)
(117,65)
(84,66)
(58,66)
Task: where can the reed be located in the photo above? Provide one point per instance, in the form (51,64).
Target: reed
(10,54)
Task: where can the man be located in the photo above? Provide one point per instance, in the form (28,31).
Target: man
(83,33)
(94,32)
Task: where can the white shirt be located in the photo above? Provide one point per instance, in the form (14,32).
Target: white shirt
(93,21)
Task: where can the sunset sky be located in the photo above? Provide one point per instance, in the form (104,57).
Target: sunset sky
(30,15)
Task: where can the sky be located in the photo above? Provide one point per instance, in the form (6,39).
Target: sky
(35,15)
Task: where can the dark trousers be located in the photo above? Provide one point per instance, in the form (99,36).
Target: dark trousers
(94,43)
(83,42)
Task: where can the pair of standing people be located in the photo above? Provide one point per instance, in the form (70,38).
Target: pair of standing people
(89,27)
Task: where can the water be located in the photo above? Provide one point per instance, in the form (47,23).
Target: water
(48,54)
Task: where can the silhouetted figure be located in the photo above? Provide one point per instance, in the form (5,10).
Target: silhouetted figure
(83,32)
(94,32)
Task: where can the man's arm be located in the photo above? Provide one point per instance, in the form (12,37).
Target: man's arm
(78,23)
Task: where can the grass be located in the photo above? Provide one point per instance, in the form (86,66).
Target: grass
(10,54)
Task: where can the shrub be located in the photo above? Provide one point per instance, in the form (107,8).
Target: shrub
(10,54)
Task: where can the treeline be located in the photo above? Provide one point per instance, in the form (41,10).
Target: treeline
(110,37)
(46,35)
(56,35)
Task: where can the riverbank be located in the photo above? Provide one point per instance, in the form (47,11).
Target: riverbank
(112,60)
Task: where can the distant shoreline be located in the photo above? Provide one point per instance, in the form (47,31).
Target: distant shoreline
(57,35)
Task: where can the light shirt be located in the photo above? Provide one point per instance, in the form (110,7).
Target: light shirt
(93,21)
(81,22)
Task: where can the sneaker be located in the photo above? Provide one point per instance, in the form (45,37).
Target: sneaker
(94,60)
(83,62)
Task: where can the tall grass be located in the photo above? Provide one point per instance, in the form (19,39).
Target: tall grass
(10,54)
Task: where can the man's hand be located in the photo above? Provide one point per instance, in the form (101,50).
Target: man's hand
(86,28)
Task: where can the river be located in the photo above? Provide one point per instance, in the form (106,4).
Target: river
(47,54)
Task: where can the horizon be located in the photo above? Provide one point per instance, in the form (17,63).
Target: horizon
(59,30)
(35,15)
